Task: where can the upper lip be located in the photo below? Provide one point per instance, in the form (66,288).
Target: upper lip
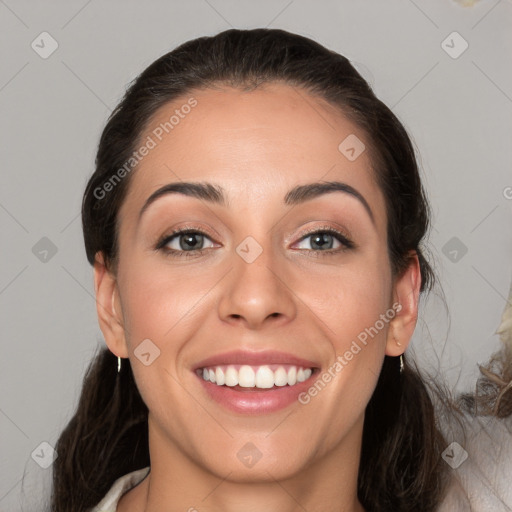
(255,358)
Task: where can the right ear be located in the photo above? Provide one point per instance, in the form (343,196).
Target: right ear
(110,317)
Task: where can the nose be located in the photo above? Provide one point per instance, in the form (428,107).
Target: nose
(256,294)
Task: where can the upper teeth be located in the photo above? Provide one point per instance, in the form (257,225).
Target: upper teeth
(256,376)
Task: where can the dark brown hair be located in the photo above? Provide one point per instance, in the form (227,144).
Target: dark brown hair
(400,468)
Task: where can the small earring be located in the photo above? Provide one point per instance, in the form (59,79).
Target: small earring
(397,342)
(401,363)
(118,364)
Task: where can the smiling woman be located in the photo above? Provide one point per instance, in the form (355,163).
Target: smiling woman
(267,248)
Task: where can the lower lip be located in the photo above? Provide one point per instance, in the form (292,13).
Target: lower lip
(256,400)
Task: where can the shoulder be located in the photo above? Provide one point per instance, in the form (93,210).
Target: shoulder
(120,487)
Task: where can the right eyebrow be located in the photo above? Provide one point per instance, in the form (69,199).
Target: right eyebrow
(207,191)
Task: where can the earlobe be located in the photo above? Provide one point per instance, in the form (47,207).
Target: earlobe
(406,294)
(110,320)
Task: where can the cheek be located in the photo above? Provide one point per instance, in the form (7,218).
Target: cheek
(160,302)
(351,300)
(355,306)
(159,318)
(163,309)
(342,390)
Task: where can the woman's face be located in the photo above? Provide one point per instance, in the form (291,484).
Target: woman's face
(258,289)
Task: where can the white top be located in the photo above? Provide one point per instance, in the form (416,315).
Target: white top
(121,486)
(482,482)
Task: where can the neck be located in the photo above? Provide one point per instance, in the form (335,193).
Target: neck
(177,483)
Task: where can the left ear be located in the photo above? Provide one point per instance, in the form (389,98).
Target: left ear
(406,295)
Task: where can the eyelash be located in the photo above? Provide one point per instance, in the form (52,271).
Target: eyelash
(173,253)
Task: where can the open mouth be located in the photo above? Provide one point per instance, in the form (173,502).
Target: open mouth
(255,377)
(254,383)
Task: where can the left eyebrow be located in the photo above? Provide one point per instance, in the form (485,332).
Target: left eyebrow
(303,193)
(216,194)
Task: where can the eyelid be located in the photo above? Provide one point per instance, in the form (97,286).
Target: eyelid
(164,240)
(183,229)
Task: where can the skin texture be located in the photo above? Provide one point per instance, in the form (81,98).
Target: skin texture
(256,145)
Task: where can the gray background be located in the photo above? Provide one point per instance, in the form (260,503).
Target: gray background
(458,111)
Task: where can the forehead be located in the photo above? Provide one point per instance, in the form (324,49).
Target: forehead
(254,144)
